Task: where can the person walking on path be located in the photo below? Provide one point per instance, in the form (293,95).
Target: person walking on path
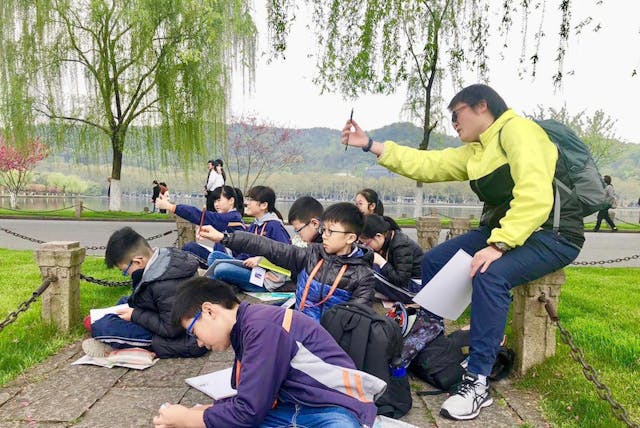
(611,199)
(215,178)
(155,194)
(511,164)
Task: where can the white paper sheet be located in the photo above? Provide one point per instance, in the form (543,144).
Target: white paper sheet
(449,292)
(96,314)
(257,276)
(216,385)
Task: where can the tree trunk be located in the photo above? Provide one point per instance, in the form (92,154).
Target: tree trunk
(115,193)
(419,199)
(13,200)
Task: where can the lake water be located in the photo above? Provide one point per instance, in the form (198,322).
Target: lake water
(137,204)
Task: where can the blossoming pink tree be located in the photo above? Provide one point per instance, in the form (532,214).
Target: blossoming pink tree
(16,164)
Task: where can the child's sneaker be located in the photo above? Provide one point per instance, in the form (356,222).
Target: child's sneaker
(466,403)
(96,349)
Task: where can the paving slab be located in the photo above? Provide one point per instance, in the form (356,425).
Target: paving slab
(62,396)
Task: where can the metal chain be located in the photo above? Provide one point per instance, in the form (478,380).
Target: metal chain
(17,235)
(602,262)
(25,305)
(104,282)
(589,372)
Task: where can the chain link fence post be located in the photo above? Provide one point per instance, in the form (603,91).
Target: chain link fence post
(459,226)
(428,231)
(186,231)
(61,300)
(534,332)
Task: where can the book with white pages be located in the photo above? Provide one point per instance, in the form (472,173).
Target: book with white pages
(98,313)
(216,385)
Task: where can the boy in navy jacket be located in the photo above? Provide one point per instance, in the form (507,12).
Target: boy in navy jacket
(287,369)
(336,271)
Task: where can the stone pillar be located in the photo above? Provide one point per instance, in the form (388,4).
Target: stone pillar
(428,230)
(186,231)
(459,226)
(61,301)
(533,331)
(78,207)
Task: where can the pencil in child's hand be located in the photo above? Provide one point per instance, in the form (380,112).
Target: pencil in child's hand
(350,119)
(204,210)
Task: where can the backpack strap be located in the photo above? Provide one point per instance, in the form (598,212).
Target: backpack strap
(307,286)
(557,204)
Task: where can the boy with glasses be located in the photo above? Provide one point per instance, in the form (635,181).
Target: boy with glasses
(155,274)
(304,216)
(336,271)
(288,370)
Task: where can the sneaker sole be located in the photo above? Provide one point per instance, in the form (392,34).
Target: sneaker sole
(96,349)
(446,414)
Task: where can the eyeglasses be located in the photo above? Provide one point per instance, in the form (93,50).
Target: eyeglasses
(454,113)
(366,242)
(325,231)
(301,227)
(125,272)
(193,323)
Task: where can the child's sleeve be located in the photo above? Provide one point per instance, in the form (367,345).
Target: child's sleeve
(284,255)
(364,290)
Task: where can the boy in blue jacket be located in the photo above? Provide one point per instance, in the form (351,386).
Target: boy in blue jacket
(288,370)
(336,271)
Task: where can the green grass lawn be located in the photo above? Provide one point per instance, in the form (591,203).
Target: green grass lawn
(28,340)
(599,306)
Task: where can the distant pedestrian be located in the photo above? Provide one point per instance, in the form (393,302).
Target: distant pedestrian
(155,194)
(215,178)
(164,191)
(109,187)
(611,199)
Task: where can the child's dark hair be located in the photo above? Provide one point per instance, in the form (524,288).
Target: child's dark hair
(219,162)
(229,192)
(194,292)
(371,197)
(374,224)
(264,194)
(346,214)
(125,244)
(304,209)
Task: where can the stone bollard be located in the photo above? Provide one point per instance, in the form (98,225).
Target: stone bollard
(61,301)
(78,208)
(186,231)
(459,226)
(428,230)
(533,331)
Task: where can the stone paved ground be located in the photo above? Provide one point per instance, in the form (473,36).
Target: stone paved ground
(55,394)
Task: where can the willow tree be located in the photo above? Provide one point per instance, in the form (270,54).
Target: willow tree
(379,46)
(103,67)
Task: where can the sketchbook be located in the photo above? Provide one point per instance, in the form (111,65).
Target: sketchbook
(216,385)
(96,314)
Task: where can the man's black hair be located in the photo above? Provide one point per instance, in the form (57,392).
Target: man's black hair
(347,215)
(211,161)
(475,94)
(124,245)
(304,209)
(194,292)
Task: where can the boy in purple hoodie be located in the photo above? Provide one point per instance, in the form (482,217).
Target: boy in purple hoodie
(288,370)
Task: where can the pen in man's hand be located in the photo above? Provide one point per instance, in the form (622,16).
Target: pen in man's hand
(350,119)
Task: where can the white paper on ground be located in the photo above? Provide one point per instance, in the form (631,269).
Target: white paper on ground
(96,314)
(103,362)
(449,292)
(385,422)
(216,385)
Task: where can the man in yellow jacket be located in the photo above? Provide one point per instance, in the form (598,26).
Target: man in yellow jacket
(510,164)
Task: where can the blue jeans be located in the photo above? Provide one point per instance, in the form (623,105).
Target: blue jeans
(233,274)
(543,252)
(295,415)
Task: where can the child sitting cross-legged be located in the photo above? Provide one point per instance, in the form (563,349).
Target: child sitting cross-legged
(336,271)
(288,370)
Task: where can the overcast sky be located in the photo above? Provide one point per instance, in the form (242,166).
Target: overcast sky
(602,64)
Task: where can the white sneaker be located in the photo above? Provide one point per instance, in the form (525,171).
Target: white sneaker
(468,400)
(96,349)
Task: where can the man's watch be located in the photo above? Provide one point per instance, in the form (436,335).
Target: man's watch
(226,236)
(368,146)
(501,246)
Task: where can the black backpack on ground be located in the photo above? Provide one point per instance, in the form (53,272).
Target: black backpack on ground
(443,361)
(373,341)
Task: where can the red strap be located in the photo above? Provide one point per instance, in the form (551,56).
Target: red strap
(308,286)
